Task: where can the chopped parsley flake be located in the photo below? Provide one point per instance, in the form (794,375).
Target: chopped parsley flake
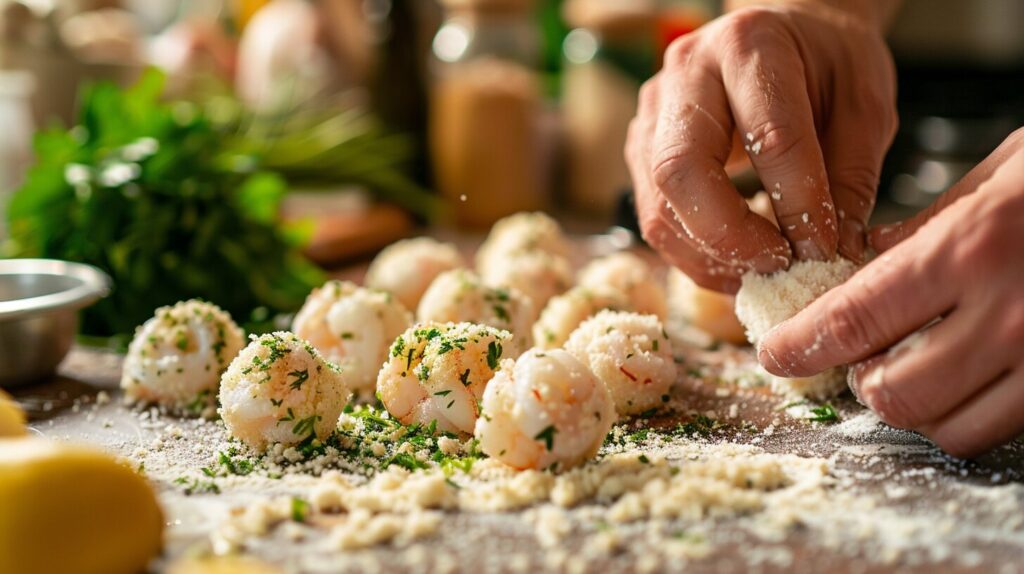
(824,414)
(493,354)
(548,436)
(300,377)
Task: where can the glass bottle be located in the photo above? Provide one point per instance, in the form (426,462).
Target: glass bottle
(609,53)
(489,153)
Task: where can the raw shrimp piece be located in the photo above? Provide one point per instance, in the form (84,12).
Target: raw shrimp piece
(546,409)
(460,296)
(352,327)
(565,312)
(406,268)
(438,372)
(280,390)
(521,233)
(632,355)
(177,357)
(537,275)
(631,276)
(707,310)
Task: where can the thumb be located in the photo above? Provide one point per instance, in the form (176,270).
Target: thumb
(883,237)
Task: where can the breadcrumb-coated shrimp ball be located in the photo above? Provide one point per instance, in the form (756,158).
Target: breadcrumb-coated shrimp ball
(707,310)
(279,389)
(538,275)
(630,275)
(565,312)
(438,372)
(460,296)
(177,357)
(629,352)
(520,233)
(353,327)
(544,409)
(406,268)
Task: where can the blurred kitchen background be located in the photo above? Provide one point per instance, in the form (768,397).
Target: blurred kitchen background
(341,125)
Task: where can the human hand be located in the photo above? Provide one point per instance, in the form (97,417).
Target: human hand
(953,275)
(812,91)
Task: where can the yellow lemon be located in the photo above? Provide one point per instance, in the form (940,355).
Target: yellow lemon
(12,418)
(74,510)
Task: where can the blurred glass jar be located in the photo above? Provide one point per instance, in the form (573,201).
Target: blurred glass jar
(16,89)
(487,137)
(609,53)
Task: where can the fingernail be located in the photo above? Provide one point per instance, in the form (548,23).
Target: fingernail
(771,262)
(851,381)
(851,239)
(808,249)
(767,358)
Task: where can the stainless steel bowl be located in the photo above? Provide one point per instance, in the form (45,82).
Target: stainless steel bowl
(39,304)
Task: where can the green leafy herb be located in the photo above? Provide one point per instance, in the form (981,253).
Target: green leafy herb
(299,509)
(548,436)
(300,377)
(493,354)
(824,414)
(197,486)
(306,426)
(240,466)
(176,200)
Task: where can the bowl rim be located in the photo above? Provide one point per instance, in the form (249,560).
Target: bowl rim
(93,285)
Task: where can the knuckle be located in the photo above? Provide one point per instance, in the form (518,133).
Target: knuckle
(679,51)
(670,165)
(859,182)
(848,323)
(892,406)
(981,251)
(747,28)
(778,140)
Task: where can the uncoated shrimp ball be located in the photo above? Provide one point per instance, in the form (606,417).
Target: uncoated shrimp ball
(565,312)
(537,275)
(632,355)
(543,410)
(520,233)
(406,268)
(352,327)
(631,276)
(438,372)
(280,390)
(177,357)
(460,296)
(707,310)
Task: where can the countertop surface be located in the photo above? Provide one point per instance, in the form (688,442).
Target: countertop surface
(917,490)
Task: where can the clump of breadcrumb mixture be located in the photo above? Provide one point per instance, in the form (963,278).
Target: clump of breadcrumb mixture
(657,494)
(764,301)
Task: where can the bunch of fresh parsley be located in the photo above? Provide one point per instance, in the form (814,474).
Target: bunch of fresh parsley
(175,203)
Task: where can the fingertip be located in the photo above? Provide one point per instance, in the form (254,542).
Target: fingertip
(766,357)
(852,240)
(773,346)
(810,249)
(883,237)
